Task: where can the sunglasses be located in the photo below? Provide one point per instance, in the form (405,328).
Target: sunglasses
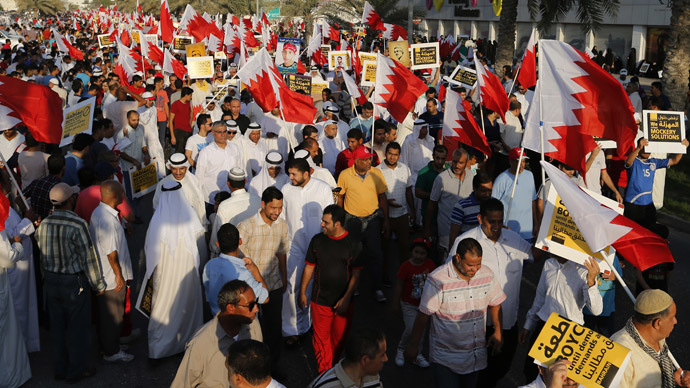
(250,306)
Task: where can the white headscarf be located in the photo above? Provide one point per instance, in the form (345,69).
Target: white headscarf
(264,180)
(173,220)
(254,152)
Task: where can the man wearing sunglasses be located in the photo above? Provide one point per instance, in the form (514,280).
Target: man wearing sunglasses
(204,360)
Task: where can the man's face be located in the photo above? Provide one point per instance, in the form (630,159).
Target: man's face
(392,135)
(220,134)
(137,84)
(353,143)
(331,130)
(374,365)
(178,172)
(423,131)
(133,120)
(327,225)
(235,107)
(458,163)
(483,192)
(313,151)
(468,265)
(242,307)
(656,91)
(366,113)
(288,57)
(324,96)
(362,165)
(666,324)
(255,136)
(392,156)
(297,178)
(273,171)
(379,135)
(439,160)
(492,224)
(109,131)
(513,164)
(272,209)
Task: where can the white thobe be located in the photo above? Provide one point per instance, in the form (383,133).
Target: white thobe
(192,192)
(331,148)
(255,153)
(14,359)
(280,144)
(148,117)
(303,208)
(511,130)
(343,129)
(213,165)
(324,175)
(240,206)
(417,153)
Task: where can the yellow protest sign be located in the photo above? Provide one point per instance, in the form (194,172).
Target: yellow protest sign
(77,119)
(195,50)
(143,180)
(399,50)
(180,42)
(425,56)
(318,87)
(200,67)
(368,73)
(595,361)
(104,41)
(366,56)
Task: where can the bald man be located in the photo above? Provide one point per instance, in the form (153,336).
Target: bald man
(116,267)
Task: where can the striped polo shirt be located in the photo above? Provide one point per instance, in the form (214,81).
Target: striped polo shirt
(465,214)
(458,316)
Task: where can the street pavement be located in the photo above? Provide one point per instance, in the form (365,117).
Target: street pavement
(299,365)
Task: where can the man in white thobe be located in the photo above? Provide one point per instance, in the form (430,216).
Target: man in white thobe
(276,133)
(192,190)
(417,152)
(148,118)
(172,264)
(215,160)
(303,204)
(332,144)
(272,174)
(316,172)
(255,149)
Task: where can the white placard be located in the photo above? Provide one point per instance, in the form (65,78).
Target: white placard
(665,130)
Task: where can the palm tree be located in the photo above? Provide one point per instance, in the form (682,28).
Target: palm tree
(590,14)
(676,67)
(46,7)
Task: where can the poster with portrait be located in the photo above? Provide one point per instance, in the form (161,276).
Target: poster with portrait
(104,41)
(340,59)
(180,42)
(425,56)
(665,131)
(195,50)
(200,67)
(77,119)
(400,51)
(464,76)
(287,55)
(644,68)
(368,73)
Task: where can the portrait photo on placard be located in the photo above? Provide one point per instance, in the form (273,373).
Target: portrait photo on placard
(339,59)
(287,55)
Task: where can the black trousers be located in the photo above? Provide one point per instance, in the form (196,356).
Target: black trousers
(181,140)
(499,364)
(271,324)
(68,298)
(530,368)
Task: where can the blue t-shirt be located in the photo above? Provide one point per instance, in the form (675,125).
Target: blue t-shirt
(73,164)
(607,289)
(641,180)
(364,126)
(520,220)
(223,269)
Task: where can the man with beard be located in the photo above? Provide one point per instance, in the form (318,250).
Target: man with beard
(179,172)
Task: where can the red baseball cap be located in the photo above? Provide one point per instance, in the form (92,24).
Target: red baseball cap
(290,46)
(515,154)
(361,153)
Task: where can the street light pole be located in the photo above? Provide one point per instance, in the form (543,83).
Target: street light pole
(410,31)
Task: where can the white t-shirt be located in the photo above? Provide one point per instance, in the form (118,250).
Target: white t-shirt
(8,146)
(593,177)
(195,143)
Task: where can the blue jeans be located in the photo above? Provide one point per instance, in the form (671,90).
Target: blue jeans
(367,230)
(446,378)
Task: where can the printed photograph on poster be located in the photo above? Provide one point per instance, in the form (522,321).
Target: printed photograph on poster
(595,361)
(665,131)
(644,68)
(77,119)
(400,51)
(104,41)
(144,180)
(296,83)
(366,56)
(195,50)
(340,59)
(425,56)
(463,76)
(136,37)
(180,42)
(200,67)
(559,235)
(368,73)
(287,55)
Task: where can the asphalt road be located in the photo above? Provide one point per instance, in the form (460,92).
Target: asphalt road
(299,365)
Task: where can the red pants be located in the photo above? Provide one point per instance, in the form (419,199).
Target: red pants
(329,333)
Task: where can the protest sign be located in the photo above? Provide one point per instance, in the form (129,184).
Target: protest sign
(287,55)
(366,56)
(644,68)
(136,37)
(425,56)
(296,82)
(325,49)
(338,59)
(77,119)
(665,130)
(144,180)
(595,361)
(369,73)
(145,300)
(605,143)
(180,42)
(104,41)
(195,50)
(400,51)
(317,87)
(200,67)
(559,235)
(464,76)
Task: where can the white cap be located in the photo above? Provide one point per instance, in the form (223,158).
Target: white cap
(177,160)
(54,81)
(304,154)
(236,174)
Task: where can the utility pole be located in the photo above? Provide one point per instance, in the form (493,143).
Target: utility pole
(410,31)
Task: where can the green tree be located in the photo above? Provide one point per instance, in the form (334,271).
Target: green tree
(46,7)
(676,68)
(236,7)
(590,15)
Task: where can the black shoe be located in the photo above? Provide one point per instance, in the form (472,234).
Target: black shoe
(88,373)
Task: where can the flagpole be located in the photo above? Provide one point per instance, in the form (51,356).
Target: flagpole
(481,113)
(14,182)
(512,193)
(514,78)
(292,134)
(541,131)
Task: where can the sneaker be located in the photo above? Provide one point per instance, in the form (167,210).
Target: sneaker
(420,361)
(400,358)
(119,356)
(380,297)
(131,337)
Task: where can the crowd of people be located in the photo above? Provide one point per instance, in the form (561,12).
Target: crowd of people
(265,233)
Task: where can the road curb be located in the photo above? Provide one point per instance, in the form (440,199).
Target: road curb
(673,221)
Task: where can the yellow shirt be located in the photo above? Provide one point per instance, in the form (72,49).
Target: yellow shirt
(361,195)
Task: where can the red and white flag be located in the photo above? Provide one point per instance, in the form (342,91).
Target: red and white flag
(65,47)
(173,66)
(397,88)
(394,32)
(329,32)
(247,36)
(231,39)
(580,100)
(194,24)
(459,126)
(370,17)
(353,89)
(601,226)
(139,8)
(150,51)
(527,75)
(126,64)
(492,94)
(166,24)
(18,103)
(314,50)
(269,91)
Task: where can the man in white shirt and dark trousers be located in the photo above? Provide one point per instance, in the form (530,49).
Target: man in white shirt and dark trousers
(116,266)
(560,291)
(504,252)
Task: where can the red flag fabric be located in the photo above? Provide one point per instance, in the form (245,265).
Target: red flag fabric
(296,107)
(172,65)
(442,92)
(300,67)
(329,32)
(397,88)
(459,126)
(166,24)
(20,100)
(493,95)
(314,50)
(4,210)
(527,75)
(64,46)
(194,24)
(371,17)
(152,52)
